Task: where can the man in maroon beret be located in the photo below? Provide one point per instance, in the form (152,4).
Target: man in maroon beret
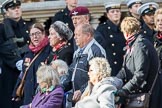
(81,15)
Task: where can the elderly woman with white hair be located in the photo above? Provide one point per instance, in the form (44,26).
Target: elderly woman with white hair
(50,93)
(61,67)
(101,88)
(59,35)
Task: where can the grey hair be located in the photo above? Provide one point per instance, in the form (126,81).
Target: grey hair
(48,75)
(101,67)
(87,28)
(61,66)
(62,29)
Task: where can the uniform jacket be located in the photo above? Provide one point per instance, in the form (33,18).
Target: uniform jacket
(140,66)
(65,53)
(64,16)
(9,55)
(18,30)
(80,61)
(30,84)
(102,96)
(148,33)
(115,43)
(52,100)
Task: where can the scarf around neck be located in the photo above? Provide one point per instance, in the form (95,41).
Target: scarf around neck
(42,44)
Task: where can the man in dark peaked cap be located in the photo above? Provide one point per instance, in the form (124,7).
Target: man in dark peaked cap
(14,38)
(146,12)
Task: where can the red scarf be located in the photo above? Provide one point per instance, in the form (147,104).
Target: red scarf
(42,44)
(128,43)
(57,47)
(159,35)
(130,39)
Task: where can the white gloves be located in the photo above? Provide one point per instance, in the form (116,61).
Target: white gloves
(19,65)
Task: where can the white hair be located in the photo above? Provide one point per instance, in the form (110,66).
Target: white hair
(60,65)
(48,75)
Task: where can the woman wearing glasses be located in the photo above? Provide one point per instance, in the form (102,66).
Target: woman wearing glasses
(36,53)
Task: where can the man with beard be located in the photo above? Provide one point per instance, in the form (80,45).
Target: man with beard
(146,11)
(113,37)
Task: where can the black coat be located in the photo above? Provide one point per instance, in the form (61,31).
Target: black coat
(30,81)
(65,53)
(139,68)
(64,16)
(11,30)
(158,46)
(18,29)
(30,84)
(8,58)
(147,32)
(114,44)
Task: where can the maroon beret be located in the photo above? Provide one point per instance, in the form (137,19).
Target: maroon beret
(80,10)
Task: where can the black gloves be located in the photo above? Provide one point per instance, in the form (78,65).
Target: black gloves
(122,92)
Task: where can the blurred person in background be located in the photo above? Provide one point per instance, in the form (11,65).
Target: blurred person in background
(133,6)
(61,67)
(146,12)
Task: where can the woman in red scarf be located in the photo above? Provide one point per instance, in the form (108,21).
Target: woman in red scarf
(36,53)
(59,35)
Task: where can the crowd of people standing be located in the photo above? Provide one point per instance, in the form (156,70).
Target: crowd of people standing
(79,66)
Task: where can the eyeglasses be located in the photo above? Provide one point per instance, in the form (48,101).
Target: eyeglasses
(35,34)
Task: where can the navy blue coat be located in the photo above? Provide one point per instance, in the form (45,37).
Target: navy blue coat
(114,44)
(9,56)
(148,33)
(63,15)
(30,84)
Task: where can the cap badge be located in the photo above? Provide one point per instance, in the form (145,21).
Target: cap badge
(75,13)
(151,7)
(14,1)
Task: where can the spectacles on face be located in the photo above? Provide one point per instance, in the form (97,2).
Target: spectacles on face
(38,33)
